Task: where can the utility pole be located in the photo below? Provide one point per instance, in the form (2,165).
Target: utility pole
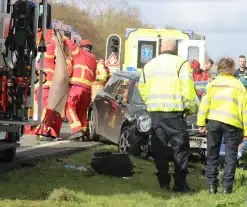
(124,3)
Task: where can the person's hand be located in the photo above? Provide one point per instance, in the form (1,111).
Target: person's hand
(202,130)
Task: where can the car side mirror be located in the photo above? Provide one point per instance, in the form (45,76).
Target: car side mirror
(119,98)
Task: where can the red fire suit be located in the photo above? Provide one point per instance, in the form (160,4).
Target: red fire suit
(51,120)
(201,75)
(79,98)
(49,67)
(49,57)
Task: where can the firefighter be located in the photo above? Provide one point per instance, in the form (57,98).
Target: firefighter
(169,93)
(198,73)
(52,120)
(49,67)
(83,76)
(224,109)
(50,127)
(102,76)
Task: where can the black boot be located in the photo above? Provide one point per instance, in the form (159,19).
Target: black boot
(212,189)
(227,190)
(182,189)
(180,184)
(164,181)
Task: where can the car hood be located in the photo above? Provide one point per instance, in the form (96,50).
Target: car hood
(137,110)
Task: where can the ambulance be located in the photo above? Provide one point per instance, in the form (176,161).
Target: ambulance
(142,45)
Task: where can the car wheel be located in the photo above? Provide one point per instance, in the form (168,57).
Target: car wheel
(92,126)
(124,141)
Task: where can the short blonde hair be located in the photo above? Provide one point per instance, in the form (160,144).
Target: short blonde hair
(226,66)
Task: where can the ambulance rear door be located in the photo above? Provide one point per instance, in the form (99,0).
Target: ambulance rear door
(145,49)
(192,50)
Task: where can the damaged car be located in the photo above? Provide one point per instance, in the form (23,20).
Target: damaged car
(119,115)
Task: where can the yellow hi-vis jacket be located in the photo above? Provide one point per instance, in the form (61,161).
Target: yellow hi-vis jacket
(166,90)
(225,101)
(101,75)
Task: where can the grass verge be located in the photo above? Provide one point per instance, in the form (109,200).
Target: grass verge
(51,184)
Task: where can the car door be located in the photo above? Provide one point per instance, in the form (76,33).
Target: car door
(118,110)
(103,104)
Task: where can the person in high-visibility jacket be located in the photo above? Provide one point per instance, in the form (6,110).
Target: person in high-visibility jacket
(224,109)
(79,98)
(241,74)
(169,93)
(102,76)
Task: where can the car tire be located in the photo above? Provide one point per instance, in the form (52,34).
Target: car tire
(92,126)
(124,144)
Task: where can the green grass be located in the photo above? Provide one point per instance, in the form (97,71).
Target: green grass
(51,184)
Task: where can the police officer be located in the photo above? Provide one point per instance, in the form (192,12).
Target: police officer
(224,107)
(168,93)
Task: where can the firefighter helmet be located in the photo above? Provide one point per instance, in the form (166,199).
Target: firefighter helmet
(194,64)
(84,43)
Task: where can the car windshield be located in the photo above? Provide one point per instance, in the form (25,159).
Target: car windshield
(136,98)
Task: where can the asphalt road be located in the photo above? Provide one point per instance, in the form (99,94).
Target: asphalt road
(31,151)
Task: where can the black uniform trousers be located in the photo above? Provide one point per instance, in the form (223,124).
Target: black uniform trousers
(232,138)
(170,128)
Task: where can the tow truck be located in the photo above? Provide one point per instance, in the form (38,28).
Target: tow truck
(18,69)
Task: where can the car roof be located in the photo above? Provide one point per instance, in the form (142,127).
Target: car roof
(128,74)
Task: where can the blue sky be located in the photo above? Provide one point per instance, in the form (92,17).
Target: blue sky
(221,21)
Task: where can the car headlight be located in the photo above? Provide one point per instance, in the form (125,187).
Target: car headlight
(144,123)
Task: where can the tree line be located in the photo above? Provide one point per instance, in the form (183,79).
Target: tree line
(97,19)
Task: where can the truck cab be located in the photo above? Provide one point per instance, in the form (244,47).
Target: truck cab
(142,45)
